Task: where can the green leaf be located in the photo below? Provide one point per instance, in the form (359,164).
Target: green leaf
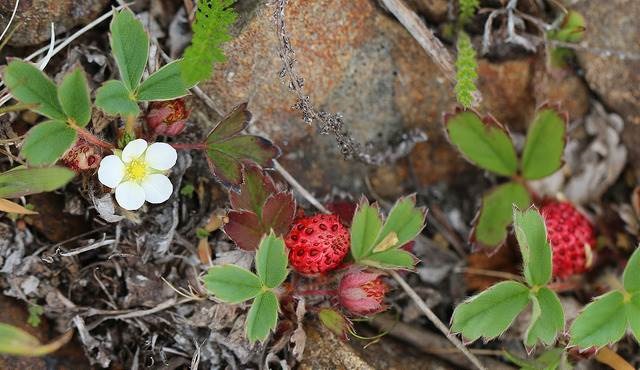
(271,261)
(73,94)
(405,220)
(390,259)
(164,84)
(114,98)
(602,322)
(365,228)
(491,312)
(30,85)
(24,181)
(210,31)
(544,146)
(572,28)
(262,317)
(552,359)
(549,319)
(47,142)
(631,275)
(17,342)
(485,143)
(232,284)
(130,47)
(536,251)
(496,213)
(632,309)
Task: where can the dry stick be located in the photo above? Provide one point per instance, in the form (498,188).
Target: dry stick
(412,294)
(436,321)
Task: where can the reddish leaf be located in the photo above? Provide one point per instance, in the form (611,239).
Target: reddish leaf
(278,212)
(230,125)
(254,191)
(227,150)
(244,229)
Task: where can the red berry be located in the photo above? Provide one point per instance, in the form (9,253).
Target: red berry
(82,156)
(317,244)
(168,117)
(571,236)
(362,292)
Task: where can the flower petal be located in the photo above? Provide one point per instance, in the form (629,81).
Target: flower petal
(130,195)
(133,150)
(161,156)
(157,188)
(111,171)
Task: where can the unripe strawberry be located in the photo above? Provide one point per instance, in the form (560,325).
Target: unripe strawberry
(362,293)
(571,236)
(167,118)
(317,244)
(82,156)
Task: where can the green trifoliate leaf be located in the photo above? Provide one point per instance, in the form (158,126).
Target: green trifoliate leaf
(47,142)
(271,261)
(262,317)
(390,259)
(164,84)
(631,276)
(491,312)
(602,322)
(114,98)
(130,47)
(232,284)
(547,320)
(536,251)
(30,85)
(365,228)
(496,213)
(24,181)
(486,143)
(543,149)
(73,94)
(405,220)
(552,359)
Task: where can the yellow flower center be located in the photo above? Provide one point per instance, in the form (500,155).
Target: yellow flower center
(136,170)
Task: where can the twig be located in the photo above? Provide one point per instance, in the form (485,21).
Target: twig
(434,344)
(296,185)
(161,307)
(88,248)
(436,321)
(489,273)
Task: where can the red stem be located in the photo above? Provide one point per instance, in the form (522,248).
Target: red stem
(91,138)
(189,146)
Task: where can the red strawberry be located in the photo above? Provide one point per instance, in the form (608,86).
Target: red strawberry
(571,236)
(317,244)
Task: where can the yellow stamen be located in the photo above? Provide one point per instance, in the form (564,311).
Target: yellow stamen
(136,170)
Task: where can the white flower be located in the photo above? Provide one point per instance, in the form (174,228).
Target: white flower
(137,173)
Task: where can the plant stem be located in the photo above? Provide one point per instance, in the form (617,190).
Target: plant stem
(189,146)
(130,124)
(612,359)
(91,138)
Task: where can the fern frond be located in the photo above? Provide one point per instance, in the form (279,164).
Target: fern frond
(466,70)
(467,10)
(210,30)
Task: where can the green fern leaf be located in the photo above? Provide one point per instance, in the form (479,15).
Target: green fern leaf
(466,71)
(468,10)
(210,30)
